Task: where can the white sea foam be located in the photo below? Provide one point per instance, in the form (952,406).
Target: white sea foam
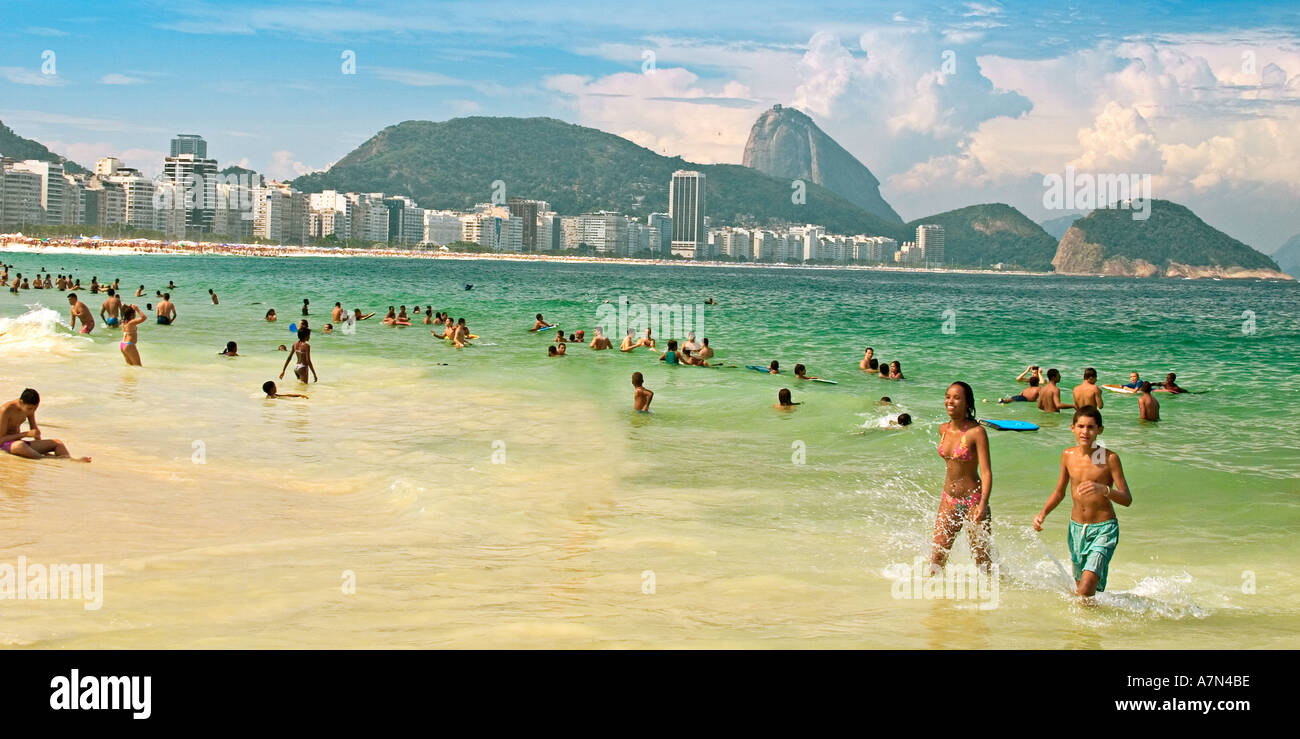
(40,330)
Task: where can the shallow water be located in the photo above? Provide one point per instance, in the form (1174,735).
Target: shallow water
(388,471)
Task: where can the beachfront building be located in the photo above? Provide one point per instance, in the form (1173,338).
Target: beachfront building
(74,199)
(526,212)
(169,208)
(874,249)
(686,207)
(106,166)
(233,215)
(330,214)
(441,227)
(908,253)
(929,239)
(606,232)
(549,234)
(20,196)
(137,198)
(196,178)
(49,191)
(369,217)
(105,202)
(191,144)
(731,242)
(664,223)
(405,220)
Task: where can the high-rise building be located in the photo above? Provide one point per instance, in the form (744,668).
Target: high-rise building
(51,188)
(331,215)
(189,143)
(686,206)
(526,211)
(196,181)
(929,239)
(405,220)
(20,196)
(664,223)
(137,196)
(441,227)
(106,166)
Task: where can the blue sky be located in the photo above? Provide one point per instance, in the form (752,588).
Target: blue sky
(1203,96)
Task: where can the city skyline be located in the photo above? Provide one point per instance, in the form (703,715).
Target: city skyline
(949,105)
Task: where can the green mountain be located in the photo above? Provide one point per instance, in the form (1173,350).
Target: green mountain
(1171,242)
(1288,257)
(989,234)
(1056,227)
(453,164)
(16,147)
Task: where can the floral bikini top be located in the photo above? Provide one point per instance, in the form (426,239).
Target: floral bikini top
(962,453)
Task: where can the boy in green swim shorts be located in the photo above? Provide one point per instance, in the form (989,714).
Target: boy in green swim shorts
(1096,480)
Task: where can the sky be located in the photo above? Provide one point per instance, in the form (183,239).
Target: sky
(949,104)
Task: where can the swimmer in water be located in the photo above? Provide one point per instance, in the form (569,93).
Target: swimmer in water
(801,373)
(1087,393)
(140,292)
(867,357)
(329,328)
(231,350)
(80,312)
(896,370)
(774,368)
(358,317)
(641,395)
(1049,397)
(214,297)
(1029,395)
(132,317)
(111,309)
(539,324)
(23,410)
(706,351)
(305,304)
(301,349)
(783,401)
(1148,408)
(601,341)
(968,480)
(336,313)
(272,393)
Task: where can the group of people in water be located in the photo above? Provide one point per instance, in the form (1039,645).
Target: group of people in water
(1092,473)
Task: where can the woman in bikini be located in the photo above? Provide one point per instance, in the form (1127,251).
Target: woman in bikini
(132,317)
(964,446)
(301,350)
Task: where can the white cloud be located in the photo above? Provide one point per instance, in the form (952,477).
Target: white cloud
(24,76)
(285,167)
(113,78)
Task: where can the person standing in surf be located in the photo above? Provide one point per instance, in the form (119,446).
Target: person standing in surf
(968,481)
(301,350)
(132,317)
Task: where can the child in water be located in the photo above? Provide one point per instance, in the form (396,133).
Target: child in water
(1097,481)
(783,401)
(641,395)
(269,388)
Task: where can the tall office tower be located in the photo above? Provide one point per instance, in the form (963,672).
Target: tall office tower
(686,207)
(526,211)
(189,143)
(929,239)
(196,181)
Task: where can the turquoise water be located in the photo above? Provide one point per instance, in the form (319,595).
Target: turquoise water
(760,527)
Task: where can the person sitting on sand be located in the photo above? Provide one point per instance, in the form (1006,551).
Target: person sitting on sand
(1029,395)
(896,370)
(1170,385)
(539,324)
(601,341)
(801,373)
(231,350)
(272,393)
(672,356)
(783,401)
(1049,397)
(80,312)
(641,395)
(867,363)
(12,416)
(1148,408)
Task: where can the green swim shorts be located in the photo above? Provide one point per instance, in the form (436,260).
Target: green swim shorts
(1091,547)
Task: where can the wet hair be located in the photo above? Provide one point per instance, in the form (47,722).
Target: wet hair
(884,370)
(111,293)
(637,379)
(969,396)
(774,365)
(539,316)
(1171,377)
(128,313)
(904,419)
(305,300)
(705,340)
(672,345)
(1146,387)
(1090,374)
(799,369)
(550,350)
(783,396)
(268,387)
(886,399)
(72,296)
(304,334)
(30,397)
(898,364)
(873,363)
(231,346)
(868,349)
(167,296)
(1088,411)
(1053,375)
(1033,381)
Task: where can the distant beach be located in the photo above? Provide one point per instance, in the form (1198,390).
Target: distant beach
(146,246)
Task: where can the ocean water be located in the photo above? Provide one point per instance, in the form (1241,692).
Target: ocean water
(492,496)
